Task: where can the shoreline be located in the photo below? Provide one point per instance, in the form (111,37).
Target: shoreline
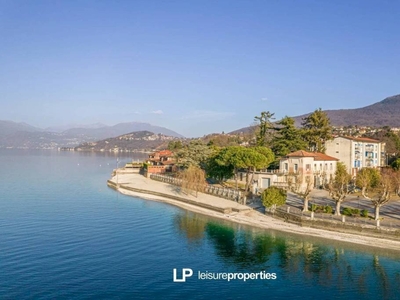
(247,217)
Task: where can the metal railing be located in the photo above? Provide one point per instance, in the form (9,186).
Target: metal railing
(221,192)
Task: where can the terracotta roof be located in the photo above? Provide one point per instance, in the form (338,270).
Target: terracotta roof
(301,153)
(360,139)
(322,156)
(162,153)
(316,155)
(165,153)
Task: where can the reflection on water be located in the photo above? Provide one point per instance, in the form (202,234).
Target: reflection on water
(64,234)
(190,225)
(298,259)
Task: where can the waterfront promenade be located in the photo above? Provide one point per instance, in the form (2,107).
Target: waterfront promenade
(139,186)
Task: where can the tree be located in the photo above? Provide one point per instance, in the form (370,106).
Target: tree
(396,164)
(216,170)
(288,138)
(193,179)
(367,178)
(264,125)
(195,153)
(317,130)
(228,161)
(390,138)
(301,186)
(255,159)
(339,187)
(396,181)
(273,197)
(385,190)
(175,145)
(232,157)
(382,194)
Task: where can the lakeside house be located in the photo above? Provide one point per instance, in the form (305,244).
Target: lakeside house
(308,168)
(357,153)
(160,162)
(300,167)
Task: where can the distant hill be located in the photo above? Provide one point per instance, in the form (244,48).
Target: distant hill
(119,129)
(22,135)
(140,140)
(62,128)
(383,113)
(9,127)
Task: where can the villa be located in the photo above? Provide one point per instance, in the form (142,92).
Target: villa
(160,162)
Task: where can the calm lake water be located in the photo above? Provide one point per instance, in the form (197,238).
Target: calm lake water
(65,235)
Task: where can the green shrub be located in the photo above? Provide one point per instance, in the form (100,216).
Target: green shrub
(314,207)
(328,209)
(273,197)
(355,212)
(364,213)
(347,211)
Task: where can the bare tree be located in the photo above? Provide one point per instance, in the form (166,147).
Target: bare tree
(386,187)
(300,186)
(193,179)
(396,180)
(367,178)
(339,187)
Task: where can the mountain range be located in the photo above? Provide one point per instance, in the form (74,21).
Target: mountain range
(130,142)
(383,113)
(22,135)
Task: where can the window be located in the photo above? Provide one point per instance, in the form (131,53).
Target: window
(331,167)
(296,168)
(286,167)
(315,167)
(326,166)
(308,167)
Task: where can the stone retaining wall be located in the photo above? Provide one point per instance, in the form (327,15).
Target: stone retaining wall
(337,225)
(113,185)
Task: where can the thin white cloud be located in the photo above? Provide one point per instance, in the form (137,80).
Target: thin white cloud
(157,112)
(208,115)
(264,99)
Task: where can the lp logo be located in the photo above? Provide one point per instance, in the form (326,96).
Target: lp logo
(185,273)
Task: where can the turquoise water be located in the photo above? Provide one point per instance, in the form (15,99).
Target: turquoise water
(65,235)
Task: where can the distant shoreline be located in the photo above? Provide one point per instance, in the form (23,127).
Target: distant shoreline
(138,186)
(104,151)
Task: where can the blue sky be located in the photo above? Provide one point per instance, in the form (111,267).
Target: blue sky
(195,67)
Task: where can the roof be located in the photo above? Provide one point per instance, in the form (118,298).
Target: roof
(301,153)
(322,156)
(316,155)
(162,153)
(363,139)
(165,153)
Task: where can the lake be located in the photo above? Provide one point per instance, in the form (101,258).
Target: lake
(65,235)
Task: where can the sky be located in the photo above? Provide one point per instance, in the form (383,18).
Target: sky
(195,67)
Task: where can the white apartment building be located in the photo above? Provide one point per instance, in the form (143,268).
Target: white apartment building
(357,153)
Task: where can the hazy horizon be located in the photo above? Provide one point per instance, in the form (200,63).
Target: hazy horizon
(193,67)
